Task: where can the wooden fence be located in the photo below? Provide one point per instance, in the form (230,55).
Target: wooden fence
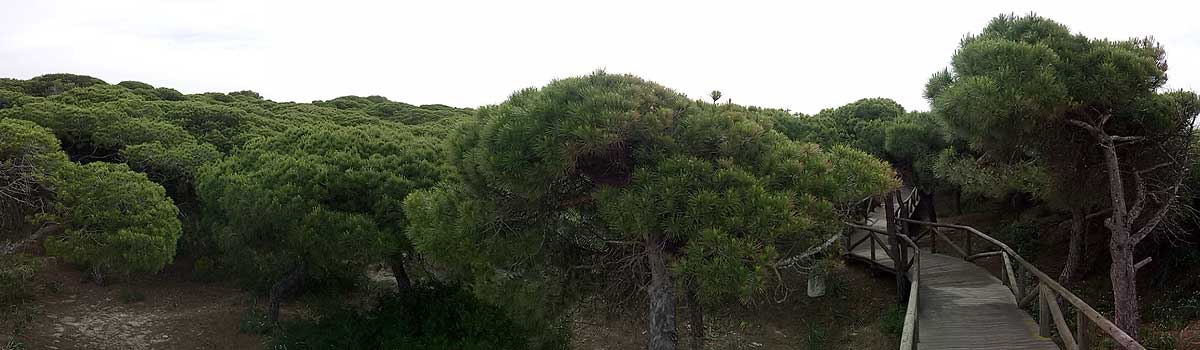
(904,253)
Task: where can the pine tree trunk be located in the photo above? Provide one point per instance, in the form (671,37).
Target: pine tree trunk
(1124,281)
(282,289)
(98,275)
(662,333)
(696,311)
(1122,273)
(1074,247)
(958,200)
(397,265)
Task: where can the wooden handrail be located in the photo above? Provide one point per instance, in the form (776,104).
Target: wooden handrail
(910,335)
(1051,288)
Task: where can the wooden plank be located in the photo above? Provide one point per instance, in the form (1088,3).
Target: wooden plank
(1043,313)
(957,304)
(851,246)
(893,242)
(958,249)
(1083,331)
(1113,332)
(984,255)
(1060,323)
(1013,283)
(1029,296)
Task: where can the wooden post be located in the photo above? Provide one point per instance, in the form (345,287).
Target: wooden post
(970,251)
(872,239)
(932,232)
(1043,312)
(902,229)
(889,204)
(1083,331)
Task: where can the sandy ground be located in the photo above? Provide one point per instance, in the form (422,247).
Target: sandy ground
(175,314)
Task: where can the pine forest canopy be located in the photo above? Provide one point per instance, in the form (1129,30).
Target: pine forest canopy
(596,185)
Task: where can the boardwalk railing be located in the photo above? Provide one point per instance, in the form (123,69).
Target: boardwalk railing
(1044,288)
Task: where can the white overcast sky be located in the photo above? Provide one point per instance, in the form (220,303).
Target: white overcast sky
(801,55)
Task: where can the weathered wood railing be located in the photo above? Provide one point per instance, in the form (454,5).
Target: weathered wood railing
(905,254)
(1044,288)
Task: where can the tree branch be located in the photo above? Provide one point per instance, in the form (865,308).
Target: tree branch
(1085,126)
(1158,215)
(1139,201)
(1145,261)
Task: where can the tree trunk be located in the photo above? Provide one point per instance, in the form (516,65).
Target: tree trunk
(696,311)
(282,289)
(98,275)
(958,200)
(397,265)
(662,333)
(1074,247)
(1124,281)
(1121,272)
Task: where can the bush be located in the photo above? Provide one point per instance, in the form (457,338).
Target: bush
(17,275)
(892,321)
(116,220)
(1022,236)
(424,317)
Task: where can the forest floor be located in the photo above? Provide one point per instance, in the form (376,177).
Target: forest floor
(850,316)
(164,311)
(171,311)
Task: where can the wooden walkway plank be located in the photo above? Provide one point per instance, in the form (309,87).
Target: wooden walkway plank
(962,306)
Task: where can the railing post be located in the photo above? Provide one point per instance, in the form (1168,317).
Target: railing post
(902,229)
(872,239)
(933,233)
(970,251)
(1083,331)
(889,205)
(1043,312)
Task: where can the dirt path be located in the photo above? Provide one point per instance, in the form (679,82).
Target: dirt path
(175,314)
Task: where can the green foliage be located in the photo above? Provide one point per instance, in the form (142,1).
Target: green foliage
(1023,236)
(91,95)
(866,122)
(550,178)
(116,220)
(135,85)
(18,277)
(170,165)
(29,157)
(993,180)
(425,317)
(379,106)
(321,196)
(9,99)
(892,321)
(53,84)
(1013,86)
(219,125)
(74,126)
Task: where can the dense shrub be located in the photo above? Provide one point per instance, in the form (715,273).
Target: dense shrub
(428,317)
(29,155)
(17,277)
(116,220)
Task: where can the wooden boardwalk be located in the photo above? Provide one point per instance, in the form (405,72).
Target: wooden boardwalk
(962,305)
